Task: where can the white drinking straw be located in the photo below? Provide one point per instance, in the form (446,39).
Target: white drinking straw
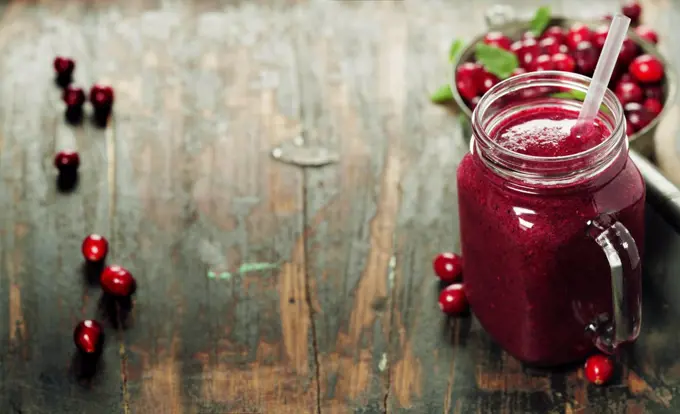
(603,70)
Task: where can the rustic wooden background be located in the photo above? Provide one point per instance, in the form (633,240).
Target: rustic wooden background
(265,287)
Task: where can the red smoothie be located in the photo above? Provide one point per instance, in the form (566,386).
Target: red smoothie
(534,278)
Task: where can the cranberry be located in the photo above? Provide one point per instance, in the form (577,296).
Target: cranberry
(632,10)
(497,39)
(628,91)
(466,87)
(528,53)
(654,92)
(647,33)
(599,36)
(95,248)
(652,106)
(628,52)
(117,281)
(637,115)
(73,97)
(517,71)
(64,66)
(67,160)
(578,33)
(555,32)
(646,69)
(88,336)
(448,267)
(626,77)
(101,97)
(467,75)
(586,58)
(474,102)
(599,369)
(543,62)
(563,62)
(550,46)
(629,129)
(452,299)
(516,47)
(486,81)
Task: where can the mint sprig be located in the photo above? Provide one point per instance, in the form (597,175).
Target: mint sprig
(498,61)
(443,94)
(540,21)
(454,50)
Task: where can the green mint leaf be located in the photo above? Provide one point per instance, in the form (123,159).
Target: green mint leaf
(443,94)
(579,96)
(455,48)
(540,20)
(496,60)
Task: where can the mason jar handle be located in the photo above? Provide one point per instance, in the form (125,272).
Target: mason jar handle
(624,260)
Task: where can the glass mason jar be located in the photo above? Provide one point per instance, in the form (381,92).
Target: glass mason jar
(552,245)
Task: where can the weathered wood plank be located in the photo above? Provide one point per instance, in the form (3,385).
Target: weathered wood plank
(351,59)
(426,349)
(201,99)
(43,228)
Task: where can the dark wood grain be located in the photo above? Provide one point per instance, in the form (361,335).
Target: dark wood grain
(43,228)
(266,287)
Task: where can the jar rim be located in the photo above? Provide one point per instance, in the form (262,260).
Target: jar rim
(556,78)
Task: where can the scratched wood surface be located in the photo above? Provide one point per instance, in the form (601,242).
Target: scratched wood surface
(263,286)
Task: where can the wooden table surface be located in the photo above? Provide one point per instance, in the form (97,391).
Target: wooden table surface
(264,286)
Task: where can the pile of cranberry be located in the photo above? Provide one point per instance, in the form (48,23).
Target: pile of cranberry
(636,80)
(116,281)
(452,301)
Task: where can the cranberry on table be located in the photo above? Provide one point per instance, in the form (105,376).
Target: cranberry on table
(652,106)
(486,81)
(101,97)
(555,32)
(497,39)
(73,96)
(599,36)
(67,160)
(64,66)
(88,336)
(628,91)
(637,115)
(632,10)
(563,62)
(452,299)
(599,369)
(646,69)
(578,33)
(95,248)
(448,266)
(586,57)
(647,33)
(117,281)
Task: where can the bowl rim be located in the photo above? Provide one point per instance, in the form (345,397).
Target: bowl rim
(670,80)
